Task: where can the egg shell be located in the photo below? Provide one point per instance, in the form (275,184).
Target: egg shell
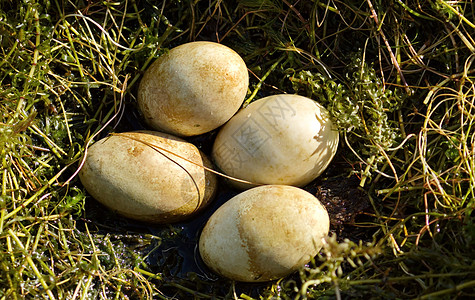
(125,173)
(264,233)
(280,139)
(193,89)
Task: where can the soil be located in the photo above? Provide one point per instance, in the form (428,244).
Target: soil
(344,200)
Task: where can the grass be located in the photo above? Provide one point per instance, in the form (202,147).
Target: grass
(398,77)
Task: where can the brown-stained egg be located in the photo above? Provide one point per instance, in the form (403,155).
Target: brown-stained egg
(138,175)
(264,233)
(193,89)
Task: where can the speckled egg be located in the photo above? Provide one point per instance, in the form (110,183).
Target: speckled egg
(192,89)
(280,139)
(142,175)
(264,233)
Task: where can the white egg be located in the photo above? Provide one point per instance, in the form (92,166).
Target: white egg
(264,233)
(280,139)
(125,173)
(193,89)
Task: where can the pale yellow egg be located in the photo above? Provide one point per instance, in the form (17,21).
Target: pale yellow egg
(193,89)
(264,233)
(142,175)
(280,139)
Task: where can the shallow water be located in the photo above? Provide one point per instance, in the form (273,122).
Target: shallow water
(186,242)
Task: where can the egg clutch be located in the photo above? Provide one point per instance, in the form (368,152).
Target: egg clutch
(267,151)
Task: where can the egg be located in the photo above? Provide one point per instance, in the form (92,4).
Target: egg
(280,139)
(143,175)
(194,88)
(264,233)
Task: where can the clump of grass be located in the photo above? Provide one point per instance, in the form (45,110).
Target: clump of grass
(397,76)
(58,88)
(360,109)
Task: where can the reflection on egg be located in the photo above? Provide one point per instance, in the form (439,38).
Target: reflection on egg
(264,233)
(125,173)
(193,89)
(280,139)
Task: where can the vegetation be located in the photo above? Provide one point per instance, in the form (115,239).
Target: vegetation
(398,77)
